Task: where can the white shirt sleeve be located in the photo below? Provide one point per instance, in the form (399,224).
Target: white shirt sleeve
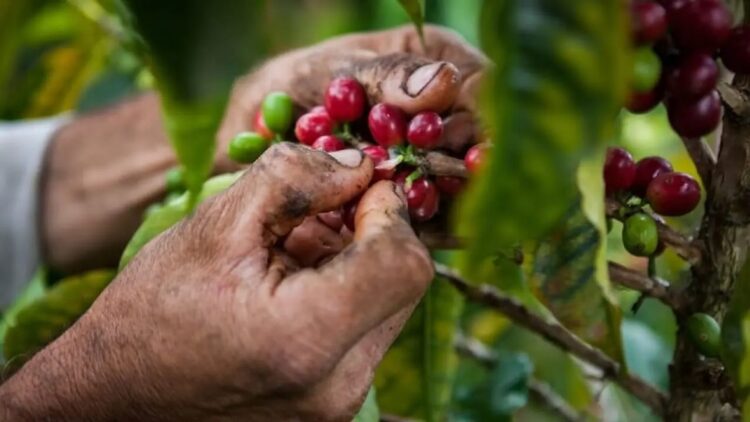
(22,147)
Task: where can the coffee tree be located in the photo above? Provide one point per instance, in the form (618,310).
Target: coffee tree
(519,220)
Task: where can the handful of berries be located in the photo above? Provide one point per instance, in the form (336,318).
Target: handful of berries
(398,144)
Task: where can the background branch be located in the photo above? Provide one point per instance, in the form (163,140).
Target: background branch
(703,158)
(651,287)
(557,335)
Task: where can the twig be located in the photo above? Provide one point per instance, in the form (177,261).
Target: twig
(474,349)
(438,240)
(652,287)
(685,247)
(703,158)
(556,334)
(734,99)
(444,165)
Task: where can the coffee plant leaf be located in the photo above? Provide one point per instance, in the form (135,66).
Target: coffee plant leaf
(44,319)
(416,376)
(549,100)
(172,212)
(195,50)
(416,11)
(735,335)
(35,289)
(369,411)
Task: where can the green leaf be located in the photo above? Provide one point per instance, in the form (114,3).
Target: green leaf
(735,335)
(416,11)
(499,393)
(33,290)
(369,411)
(416,375)
(549,101)
(195,50)
(172,212)
(43,320)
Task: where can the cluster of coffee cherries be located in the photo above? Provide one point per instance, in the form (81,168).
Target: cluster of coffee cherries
(395,141)
(650,181)
(677,44)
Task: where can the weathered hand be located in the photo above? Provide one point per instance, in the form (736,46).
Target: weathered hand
(214,320)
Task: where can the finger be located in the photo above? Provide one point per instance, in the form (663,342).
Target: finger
(290,182)
(459,129)
(383,270)
(409,82)
(312,241)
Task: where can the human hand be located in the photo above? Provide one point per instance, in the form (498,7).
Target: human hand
(215,320)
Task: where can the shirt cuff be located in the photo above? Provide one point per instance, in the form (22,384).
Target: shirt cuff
(22,148)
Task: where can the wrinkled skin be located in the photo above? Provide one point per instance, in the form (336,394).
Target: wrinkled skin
(214,320)
(260,306)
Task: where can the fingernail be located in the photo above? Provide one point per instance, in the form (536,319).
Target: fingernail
(348,157)
(422,77)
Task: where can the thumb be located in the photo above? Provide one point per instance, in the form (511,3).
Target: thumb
(409,82)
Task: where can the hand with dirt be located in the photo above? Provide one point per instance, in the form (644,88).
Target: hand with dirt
(103,169)
(214,320)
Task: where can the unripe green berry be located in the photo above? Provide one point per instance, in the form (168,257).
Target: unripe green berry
(277,111)
(705,333)
(246,147)
(640,236)
(646,70)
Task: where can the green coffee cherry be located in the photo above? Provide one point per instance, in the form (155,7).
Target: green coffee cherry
(646,70)
(640,235)
(277,111)
(246,147)
(176,180)
(705,333)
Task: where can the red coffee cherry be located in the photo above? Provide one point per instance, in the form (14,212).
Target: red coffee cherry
(736,51)
(387,125)
(328,143)
(701,25)
(259,126)
(378,155)
(425,130)
(312,126)
(474,157)
(649,22)
(695,76)
(693,118)
(619,170)
(673,194)
(449,185)
(646,171)
(345,99)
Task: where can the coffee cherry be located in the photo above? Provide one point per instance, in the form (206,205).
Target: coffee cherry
(693,118)
(277,111)
(378,155)
(700,25)
(425,130)
(318,109)
(428,208)
(736,51)
(474,157)
(673,194)
(640,236)
(619,170)
(312,126)
(176,180)
(695,76)
(259,126)
(344,99)
(246,147)
(671,6)
(646,70)
(449,185)
(422,197)
(646,171)
(649,21)
(705,333)
(642,102)
(328,143)
(387,125)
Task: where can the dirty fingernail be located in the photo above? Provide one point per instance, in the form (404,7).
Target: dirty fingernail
(420,78)
(348,157)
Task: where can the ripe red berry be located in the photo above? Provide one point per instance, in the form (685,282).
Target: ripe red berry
(671,6)
(328,143)
(642,102)
(312,126)
(474,157)
(673,194)
(344,99)
(646,170)
(695,76)
(450,185)
(701,25)
(259,126)
(736,51)
(387,125)
(429,206)
(378,155)
(619,170)
(649,22)
(425,130)
(693,118)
